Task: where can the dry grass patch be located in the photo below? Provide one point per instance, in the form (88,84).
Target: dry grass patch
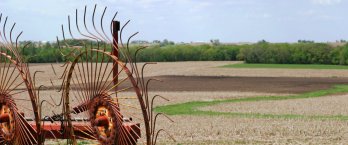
(229,130)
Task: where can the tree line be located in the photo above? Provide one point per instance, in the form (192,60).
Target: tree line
(302,52)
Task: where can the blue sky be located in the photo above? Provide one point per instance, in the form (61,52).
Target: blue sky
(193,20)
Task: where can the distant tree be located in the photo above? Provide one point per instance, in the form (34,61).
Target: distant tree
(262,41)
(156,41)
(166,42)
(305,41)
(215,42)
(48,45)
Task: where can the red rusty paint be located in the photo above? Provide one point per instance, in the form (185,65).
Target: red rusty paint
(82,131)
(4,118)
(102,121)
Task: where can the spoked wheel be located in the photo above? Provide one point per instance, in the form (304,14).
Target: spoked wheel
(14,83)
(109,102)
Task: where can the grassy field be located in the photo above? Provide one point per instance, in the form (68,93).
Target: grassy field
(286,66)
(192,108)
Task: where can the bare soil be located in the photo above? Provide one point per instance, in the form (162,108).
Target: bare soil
(244,84)
(288,85)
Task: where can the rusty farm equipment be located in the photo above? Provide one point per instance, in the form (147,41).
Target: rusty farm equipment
(103,96)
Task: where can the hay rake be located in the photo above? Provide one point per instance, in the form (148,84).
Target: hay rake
(103,95)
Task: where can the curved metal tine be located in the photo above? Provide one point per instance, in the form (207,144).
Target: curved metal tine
(129,51)
(151,111)
(13,26)
(128,55)
(0,23)
(111,30)
(34,79)
(4,30)
(136,33)
(102,27)
(4,38)
(78,28)
(136,65)
(69,24)
(25,46)
(41,103)
(85,24)
(19,35)
(38,96)
(155,120)
(138,77)
(1,44)
(146,90)
(142,77)
(155,140)
(121,32)
(9,43)
(121,40)
(16,46)
(57,104)
(95,28)
(64,40)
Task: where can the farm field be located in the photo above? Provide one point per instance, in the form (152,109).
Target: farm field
(287,66)
(221,105)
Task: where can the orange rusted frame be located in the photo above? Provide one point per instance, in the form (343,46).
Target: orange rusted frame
(82,130)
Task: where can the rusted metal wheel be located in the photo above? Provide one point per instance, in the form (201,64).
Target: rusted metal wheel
(17,94)
(100,90)
(93,94)
(16,88)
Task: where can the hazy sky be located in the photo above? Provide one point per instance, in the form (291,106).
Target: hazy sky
(193,20)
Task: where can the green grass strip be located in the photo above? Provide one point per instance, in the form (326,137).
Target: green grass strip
(286,66)
(191,108)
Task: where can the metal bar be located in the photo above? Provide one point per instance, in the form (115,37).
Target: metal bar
(115,30)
